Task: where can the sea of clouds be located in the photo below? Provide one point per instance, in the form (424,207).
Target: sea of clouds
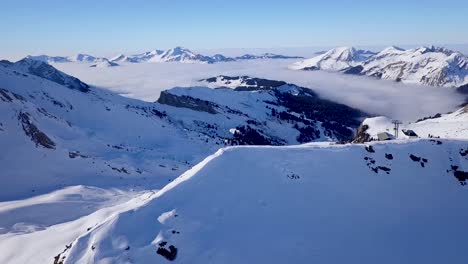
(145,81)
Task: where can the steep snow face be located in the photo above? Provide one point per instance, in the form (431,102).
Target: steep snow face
(337,59)
(453,125)
(428,66)
(388,203)
(46,71)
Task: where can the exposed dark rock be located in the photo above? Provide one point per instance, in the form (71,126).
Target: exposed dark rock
(415,158)
(462,176)
(37,136)
(361,135)
(148,111)
(388,156)
(463,89)
(307,134)
(293,176)
(8,96)
(170,254)
(76,154)
(370,149)
(248,83)
(464,152)
(384,168)
(4,95)
(429,117)
(121,170)
(60,258)
(354,70)
(311,68)
(246,135)
(421,160)
(187,102)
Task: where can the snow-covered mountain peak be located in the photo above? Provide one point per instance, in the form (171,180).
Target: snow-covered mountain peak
(120,57)
(434,66)
(180,54)
(336,59)
(83,58)
(46,71)
(434,49)
(390,50)
(104,63)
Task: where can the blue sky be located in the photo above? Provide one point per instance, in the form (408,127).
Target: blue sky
(63,27)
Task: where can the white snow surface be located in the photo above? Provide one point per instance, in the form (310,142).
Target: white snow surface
(305,204)
(453,125)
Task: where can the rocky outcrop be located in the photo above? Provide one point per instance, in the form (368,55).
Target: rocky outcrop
(361,135)
(46,71)
(31,130)
(187,102)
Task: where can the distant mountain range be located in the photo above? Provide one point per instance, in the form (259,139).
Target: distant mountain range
(434,66)
(177,54)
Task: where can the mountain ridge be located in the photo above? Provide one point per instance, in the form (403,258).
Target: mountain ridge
(176,54)
(433,66)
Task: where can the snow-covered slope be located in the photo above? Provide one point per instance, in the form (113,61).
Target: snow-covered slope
(45,123)
(387,203)
(46,71)
(425,65)
(337,59)
(118,150)
(453,125)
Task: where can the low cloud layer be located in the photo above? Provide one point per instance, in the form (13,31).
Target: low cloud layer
(145,81)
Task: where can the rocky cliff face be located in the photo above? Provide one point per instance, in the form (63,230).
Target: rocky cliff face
(187,102)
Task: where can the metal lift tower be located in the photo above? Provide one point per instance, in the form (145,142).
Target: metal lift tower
(396,127)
